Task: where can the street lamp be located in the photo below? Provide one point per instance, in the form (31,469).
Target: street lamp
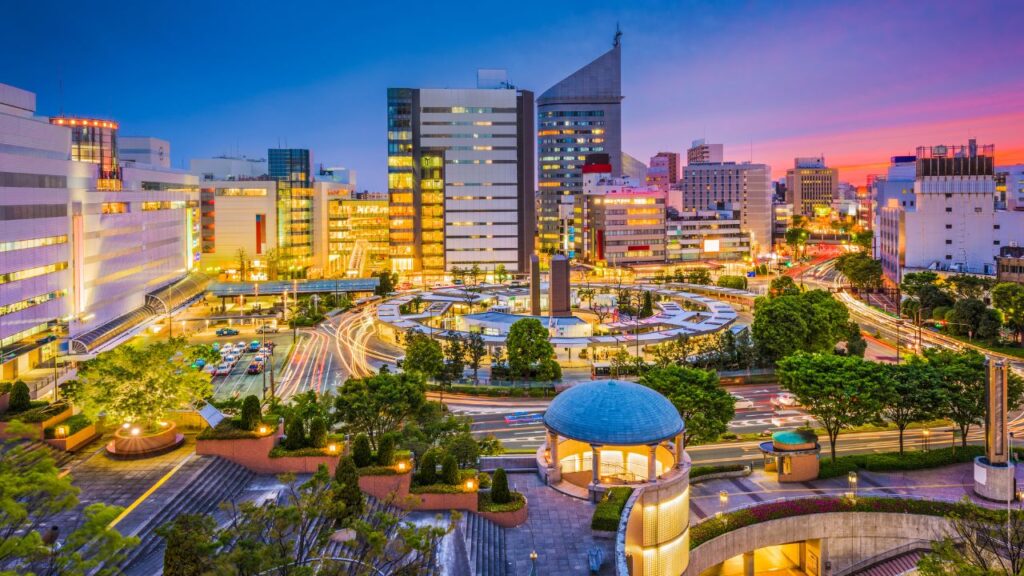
(924,436)
(851,480)
(723,503)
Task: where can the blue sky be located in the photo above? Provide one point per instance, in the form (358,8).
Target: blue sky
(857,81)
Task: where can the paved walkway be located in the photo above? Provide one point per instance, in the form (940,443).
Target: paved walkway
(558,529)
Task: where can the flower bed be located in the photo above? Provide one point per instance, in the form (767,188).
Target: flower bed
(712,528)
(698,471)
(609,510)
(894,461)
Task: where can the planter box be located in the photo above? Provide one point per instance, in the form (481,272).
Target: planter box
(387,488)
(461,501)
(254,454)
(38,427)
(5,402)
(517,518)
(76,440)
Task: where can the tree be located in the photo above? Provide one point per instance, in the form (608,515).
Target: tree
(813,321)
(706,407)
(273,258)
(914,283)
(647,308)
(428,468)
(386,450)
(961,378)
(737,282)
(423,354)
(347,496)
(379,404)
(450,470)
(386,283)
(252,413)
(476,349)
(783,286)
(295,434)
(860,269)
(863,239)
(458,274)
(139,384)
(911,393)
(35,494)
(464,448)
(839,391)
(362,454)
(500,274)
(527,344)
(970,317)
(500,493)
(243,264)
(796,238)
(1008,298)
(474,273)
(20,399)
(455,358)
(964,286)
(586,295)
(190,544)
(699,276)
(317,432)
(980,542)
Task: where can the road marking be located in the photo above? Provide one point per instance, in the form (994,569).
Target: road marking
(148,493)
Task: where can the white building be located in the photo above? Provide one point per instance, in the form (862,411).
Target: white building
(1011,180)
(229,168)
(694,235)
(951,224)
(144,150)
(700,152)
(745,186)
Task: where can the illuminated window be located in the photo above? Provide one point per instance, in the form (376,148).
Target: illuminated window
(33,243)
(114,207)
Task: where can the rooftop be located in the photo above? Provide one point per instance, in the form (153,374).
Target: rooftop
(613,412)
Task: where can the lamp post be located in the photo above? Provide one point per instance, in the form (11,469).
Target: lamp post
(851,480)
(723,503)
(924,438)
(533,563)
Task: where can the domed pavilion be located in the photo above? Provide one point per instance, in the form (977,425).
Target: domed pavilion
(610,432)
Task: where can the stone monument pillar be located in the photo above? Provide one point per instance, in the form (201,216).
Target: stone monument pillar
(534,285)
(994,472)
(559,304)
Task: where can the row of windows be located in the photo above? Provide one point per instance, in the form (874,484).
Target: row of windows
(571,113)
(169,186)
(30,302)
(32,243)
(22,180)
(32,211)
(574,149)
(557,123)
(467,110)
(32,272)
(470,123)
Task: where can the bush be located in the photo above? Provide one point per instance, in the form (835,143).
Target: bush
(38,411)
(698,471)
(609,510)
(485,503)
(436,489)
(318,432)
(893,461)
(428,468)
(450,470)
(305,451)
(295,434)
(939,312)
(20,399)
(737,282)
(74,424)
(378,471)
(251,413)
(228,429)
(191,542)
(484,479)
(464,448)
(346,489)
(386,450)
(361,452)
(499,487)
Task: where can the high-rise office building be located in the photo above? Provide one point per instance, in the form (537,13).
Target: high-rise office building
(291,168)
(700,152)
(950,222)
(811,186)
(579,115)
(460,178)
(730,186)
(663,171)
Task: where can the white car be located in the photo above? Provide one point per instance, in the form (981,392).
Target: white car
(785,399)
(224,369)
(742,403)
(230,359)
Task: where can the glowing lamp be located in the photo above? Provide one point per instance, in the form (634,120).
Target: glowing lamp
(163,423)
(533,555)
(401,466)
(470,484)
(723,498)
(126,425)
(263,429)
(61,432)
(852,478)
(926,433)
(332,448)
(136,431)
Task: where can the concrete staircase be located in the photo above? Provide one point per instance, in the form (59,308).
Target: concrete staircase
(485,541)
(200,486)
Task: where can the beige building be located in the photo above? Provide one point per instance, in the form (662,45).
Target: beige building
(357,235)
(811,187)
(623,226)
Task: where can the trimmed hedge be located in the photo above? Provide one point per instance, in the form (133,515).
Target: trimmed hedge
(484,503)
(74,424)
(378,471)
(894,461)
(39,410)
(712,528)
(609,510)
(698,471)
(437,489)
(282,452)
(232,429)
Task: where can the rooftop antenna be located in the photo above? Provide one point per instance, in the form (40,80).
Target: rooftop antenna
(618,36)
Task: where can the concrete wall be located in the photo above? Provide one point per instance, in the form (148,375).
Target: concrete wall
(846,537)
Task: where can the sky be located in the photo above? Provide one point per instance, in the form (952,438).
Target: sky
(857,82)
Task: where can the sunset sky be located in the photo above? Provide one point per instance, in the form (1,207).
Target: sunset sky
(855,81)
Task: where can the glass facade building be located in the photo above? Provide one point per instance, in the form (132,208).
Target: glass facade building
(291,168)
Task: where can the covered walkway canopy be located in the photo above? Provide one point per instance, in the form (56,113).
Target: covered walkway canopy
(227,289)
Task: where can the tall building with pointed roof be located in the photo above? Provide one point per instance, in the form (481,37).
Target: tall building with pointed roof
(580,115)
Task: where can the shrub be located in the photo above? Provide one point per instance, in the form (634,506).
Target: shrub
(499,487)
(485,503)
(428,468)
(361,452)
(284,452)
(450,470)
(436,489)
(295,434)
(228,429)
(485,480)
(378,471)
(464,448)
(346,489)
(609,509)
(20,399)
(698,471)
(74,424)
(386,450)
(318,432)
(191,541)
(251,412)
(894,461)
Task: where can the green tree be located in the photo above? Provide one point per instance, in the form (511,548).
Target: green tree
(961,378)
(914,283)
(699,276)
(139,384)
(347,496)
(474,273)
(455,357)
(586,295)
(855,343)
(500,493)
(966,286)
(428,468)
(972,318)
(423,354)
(204,352)
(737,282)
(706,407)
(378,404)
(860,269)
(527,344)
(980,542)
(796,238)
(911,393)
(242,258)
(361,451)
(386,450)
(20,399)
(450,470)
(190,545)
(252,413)
(839,391)
(863,239)
(386,283)
(317,432)
(783,286)
(1008,298)
(476,349)
(500,274)
(295,434)
(647,309)
(464,448)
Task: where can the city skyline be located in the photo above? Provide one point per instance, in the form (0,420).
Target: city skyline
(730,73)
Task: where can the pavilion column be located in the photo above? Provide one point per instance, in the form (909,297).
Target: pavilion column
(553,448)
(679,450)
(596,463)
(652,463)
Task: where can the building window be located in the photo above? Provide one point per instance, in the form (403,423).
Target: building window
(949,209)
(995,242)
(949,241)
(949,226)
(949,256)
(996,227)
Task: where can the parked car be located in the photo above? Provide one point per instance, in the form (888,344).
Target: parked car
(227,332)
(742,403)
(224,369)
(267,329)
(255,367)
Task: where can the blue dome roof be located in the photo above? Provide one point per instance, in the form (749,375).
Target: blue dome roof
(613,412)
